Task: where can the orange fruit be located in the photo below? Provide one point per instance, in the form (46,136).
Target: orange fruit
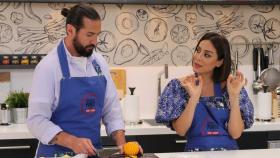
(131,148)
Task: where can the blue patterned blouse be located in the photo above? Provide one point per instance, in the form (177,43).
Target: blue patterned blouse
(173,99)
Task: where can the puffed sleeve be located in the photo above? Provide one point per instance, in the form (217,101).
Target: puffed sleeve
(246,108)
(171,102)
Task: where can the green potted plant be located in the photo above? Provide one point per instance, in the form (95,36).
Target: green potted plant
(17,101)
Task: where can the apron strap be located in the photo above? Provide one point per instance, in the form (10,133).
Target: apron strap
(63,60)
(97,68)
(64,63)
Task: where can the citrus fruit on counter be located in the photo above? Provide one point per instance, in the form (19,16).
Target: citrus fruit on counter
(131,148)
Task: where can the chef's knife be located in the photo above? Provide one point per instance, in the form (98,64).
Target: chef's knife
(106,152)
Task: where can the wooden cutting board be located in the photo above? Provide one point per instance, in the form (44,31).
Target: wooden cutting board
(5,78)
(119,78)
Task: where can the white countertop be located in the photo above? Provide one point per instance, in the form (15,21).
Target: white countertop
(258,153)
(20,131)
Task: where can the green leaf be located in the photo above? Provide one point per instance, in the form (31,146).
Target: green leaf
(17,99)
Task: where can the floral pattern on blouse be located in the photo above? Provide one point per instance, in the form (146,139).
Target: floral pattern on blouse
(174,97)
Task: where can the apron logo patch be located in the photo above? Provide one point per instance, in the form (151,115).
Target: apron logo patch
(88,103)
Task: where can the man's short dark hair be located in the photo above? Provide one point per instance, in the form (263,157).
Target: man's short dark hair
(75,15)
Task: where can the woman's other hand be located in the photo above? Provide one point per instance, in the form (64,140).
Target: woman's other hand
(235,84)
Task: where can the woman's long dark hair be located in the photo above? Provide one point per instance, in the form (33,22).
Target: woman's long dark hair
(222,46)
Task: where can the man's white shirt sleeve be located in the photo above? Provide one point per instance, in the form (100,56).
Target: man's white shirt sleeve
(44,96)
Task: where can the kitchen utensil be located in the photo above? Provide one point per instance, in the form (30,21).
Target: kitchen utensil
(262,59)
(266,58)
(119,78)
(131,108)
(264,104)
(277,90)
(270,77)
(4,115)
(260,50)
(106,152)
(255,62)
(165,72)
(235,63)
(257,86)
(270,54)
(276,103)
(101,153)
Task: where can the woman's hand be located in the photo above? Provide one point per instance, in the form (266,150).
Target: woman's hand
(193,85)
(235,84)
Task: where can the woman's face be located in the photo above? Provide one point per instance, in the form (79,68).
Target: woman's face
(205,58)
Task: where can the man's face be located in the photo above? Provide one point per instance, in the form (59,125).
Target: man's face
(85,39)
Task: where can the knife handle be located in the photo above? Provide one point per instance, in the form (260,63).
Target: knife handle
(262,59)
(255,59)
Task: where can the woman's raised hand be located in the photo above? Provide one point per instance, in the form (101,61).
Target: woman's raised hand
(193,85)
(235,84)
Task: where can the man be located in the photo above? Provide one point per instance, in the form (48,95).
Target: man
(72,91)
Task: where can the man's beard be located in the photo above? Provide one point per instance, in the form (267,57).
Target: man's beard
(81,50)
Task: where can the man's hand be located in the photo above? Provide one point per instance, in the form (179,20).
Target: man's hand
(83,146)
(121,148)
(119,137)
(78,145)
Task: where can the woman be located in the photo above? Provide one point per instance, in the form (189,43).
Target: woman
(210,107)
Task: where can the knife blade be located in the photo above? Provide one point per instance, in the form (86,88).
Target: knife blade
(106,152)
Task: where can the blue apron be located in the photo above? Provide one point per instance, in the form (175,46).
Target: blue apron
(209,127)
(79,108)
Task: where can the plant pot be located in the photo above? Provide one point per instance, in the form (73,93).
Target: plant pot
(19,115)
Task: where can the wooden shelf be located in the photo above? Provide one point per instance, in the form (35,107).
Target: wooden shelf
(17,66)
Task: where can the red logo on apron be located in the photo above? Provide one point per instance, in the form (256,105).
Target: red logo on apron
(88,103)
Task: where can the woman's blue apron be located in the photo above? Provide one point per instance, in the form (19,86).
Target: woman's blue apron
(79,108)
(209,126)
